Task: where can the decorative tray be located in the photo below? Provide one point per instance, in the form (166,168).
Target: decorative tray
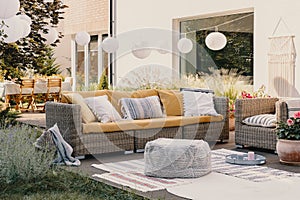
(242,159)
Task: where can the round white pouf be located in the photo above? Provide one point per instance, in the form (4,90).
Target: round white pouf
(177,158)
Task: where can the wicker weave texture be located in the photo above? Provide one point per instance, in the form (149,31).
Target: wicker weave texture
(141,137)
(260,137)
(205,131)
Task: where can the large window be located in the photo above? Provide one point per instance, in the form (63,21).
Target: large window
(238,53)
(90,63)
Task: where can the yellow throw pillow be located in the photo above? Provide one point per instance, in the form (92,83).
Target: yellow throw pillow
(86,113)
(144,93)
(172,102)
(114,96)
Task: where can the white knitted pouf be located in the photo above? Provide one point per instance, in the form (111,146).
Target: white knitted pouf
(177,158)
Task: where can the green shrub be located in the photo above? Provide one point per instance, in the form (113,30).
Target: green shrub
(103,83)
(19,159)
(8,117)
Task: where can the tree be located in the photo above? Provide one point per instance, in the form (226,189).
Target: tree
(29,51)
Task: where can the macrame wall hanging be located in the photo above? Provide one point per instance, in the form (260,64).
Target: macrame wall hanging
(281,64)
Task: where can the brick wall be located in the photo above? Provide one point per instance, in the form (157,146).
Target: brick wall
(86,15)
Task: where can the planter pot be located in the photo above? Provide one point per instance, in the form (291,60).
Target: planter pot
(231,124)
(288,151)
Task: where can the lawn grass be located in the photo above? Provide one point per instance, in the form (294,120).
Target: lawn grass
(62,184)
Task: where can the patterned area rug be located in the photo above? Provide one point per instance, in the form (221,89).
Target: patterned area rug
(130,173)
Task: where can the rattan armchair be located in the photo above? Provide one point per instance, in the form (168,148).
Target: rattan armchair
(255,136)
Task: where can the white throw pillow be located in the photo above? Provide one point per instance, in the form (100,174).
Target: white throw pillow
(198,103)
(264,120)
(103,109)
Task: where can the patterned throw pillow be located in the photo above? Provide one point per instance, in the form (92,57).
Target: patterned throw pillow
(198,103)
(141,108)
(264,120)
(103,109)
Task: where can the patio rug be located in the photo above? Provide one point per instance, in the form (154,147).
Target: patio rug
(130,173)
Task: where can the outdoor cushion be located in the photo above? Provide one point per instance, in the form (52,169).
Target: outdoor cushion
(172,102)
(85,94)
(87,114)
(144,93)
(141,108)
(264,120)
(198,103)
(115,96)
(177,158)
(103,109)
(125,125)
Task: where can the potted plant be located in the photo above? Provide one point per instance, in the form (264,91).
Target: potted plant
(288,143)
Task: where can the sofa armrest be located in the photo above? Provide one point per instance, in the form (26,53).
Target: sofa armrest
(282,112)
(250,107)
(68,119)
(222,107)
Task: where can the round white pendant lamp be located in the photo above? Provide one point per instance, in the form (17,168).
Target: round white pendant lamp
(13,29)
(26,28)
(110,44)
(51,36)
(25,18)
(185,45)
(9,8)
(141,50)
(215,41)
(82,38)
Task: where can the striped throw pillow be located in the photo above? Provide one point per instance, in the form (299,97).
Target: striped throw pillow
(141,108)
(264,120)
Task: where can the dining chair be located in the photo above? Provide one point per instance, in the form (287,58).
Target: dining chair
(53,89)
(26,93)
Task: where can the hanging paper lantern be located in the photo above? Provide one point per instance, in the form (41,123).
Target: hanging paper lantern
(13,29)
(141,50)
(51,36)
(82,38)
(26,28)
(215,41)
(9,8)
(110,44)
(25,18)
(185,45)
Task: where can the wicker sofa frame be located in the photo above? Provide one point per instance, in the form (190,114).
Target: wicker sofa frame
(255,136)
(68,119)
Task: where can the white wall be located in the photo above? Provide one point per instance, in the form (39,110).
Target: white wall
(267,15)
(136,15)
(139,14)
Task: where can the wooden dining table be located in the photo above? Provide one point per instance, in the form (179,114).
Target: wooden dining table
(9,88)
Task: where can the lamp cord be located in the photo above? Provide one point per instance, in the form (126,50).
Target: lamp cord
(216,26)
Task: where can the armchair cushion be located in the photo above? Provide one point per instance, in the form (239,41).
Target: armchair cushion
(264,120)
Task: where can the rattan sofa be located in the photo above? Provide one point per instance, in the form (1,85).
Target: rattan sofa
(255,136)
(129,137)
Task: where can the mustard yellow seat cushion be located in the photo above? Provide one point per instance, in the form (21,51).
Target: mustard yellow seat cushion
(126,125)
